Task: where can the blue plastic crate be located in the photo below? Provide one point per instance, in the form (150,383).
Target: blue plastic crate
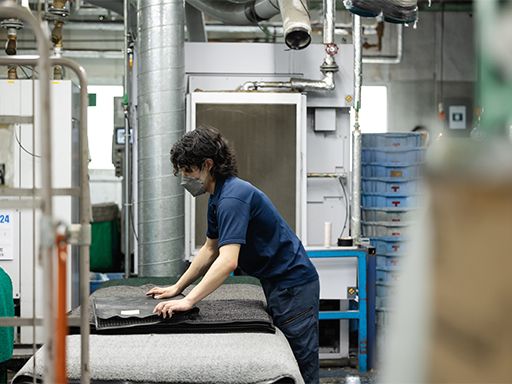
(387,214)
(382,317)
(392,155)
(383,229)
(388,245)
(389,275)
(394,170)
(388,261)
(378,200)
(392,139)
(385,289)
(392,185)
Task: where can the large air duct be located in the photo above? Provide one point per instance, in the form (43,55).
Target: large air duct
(161,122)
(248,13)
(296,23)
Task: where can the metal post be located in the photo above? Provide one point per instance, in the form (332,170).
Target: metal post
(10,9)
(127,137)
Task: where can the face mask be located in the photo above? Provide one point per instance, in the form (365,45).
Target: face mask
(194,186)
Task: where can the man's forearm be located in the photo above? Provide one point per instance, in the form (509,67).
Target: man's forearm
(218,272)
(199,266)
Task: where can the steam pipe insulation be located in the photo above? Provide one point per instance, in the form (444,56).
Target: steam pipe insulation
(161,113)
(296,23)
(328,67)
(355,222)
(251,12)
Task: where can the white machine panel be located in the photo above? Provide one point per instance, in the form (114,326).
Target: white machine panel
(26,173)
(336,274)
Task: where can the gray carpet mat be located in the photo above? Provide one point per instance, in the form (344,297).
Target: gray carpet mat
(129,312)
(233,358)
(231,308)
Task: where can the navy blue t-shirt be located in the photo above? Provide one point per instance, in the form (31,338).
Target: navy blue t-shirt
(239,213)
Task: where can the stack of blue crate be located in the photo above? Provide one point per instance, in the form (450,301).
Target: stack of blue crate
(391,170)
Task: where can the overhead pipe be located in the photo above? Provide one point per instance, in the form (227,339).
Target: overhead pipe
(296,23)
(355,221)
(248,13)
(9,9)
(328,67)
(161,113)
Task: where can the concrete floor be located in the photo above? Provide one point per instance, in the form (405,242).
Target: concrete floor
(338,375)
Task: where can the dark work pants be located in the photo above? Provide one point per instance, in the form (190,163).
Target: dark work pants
(295,312)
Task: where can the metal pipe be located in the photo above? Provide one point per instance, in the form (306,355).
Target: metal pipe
(396,59)
(127,136)
(296,23)
(62,317)
(329,21)
(358,67)
(328,67)
(251,12)
(161,112)
(296,84)
(10,9)
(356,134)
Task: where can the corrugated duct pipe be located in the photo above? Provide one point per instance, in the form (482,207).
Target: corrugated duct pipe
(250,12)
(295,15)
(328,67)
(296,23)
(161,112)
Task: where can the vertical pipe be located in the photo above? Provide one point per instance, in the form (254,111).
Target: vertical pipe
(85,218)
(356,133)
(329,7)
(61,328)
(127,136)
(161,122)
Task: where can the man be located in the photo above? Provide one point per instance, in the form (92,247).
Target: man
(245,230)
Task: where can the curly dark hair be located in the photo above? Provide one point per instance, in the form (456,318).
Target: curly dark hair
(203,143)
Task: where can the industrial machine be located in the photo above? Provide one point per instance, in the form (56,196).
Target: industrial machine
(20,165)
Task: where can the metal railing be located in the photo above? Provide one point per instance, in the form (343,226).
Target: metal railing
(80,234)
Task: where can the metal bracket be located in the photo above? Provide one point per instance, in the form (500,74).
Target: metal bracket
(79,234)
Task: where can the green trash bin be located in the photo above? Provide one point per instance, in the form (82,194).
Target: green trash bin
(105,253)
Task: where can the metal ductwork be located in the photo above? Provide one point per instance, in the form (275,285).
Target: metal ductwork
(112,5)
(161,122)
(250,12)
(296,23)
(328,67)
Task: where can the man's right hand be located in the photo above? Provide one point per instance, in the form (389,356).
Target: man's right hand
(163,292)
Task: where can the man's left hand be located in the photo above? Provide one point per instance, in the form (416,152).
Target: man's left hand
(167,308)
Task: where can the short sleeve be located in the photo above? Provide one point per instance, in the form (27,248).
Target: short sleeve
(212,231)
(233,219)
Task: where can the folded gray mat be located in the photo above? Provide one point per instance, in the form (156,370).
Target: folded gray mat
(231,308)
(129,312)
(241,358)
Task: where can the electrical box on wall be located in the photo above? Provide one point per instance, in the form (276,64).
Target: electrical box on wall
(457,117)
